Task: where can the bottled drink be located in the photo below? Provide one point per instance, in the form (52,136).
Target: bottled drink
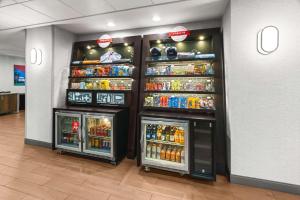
(158,133)
(148,132)
(173,155)
(153,151)
(182,156)
(163,135)
(178,156)
(168,154)
(158,149)
(163,153)
(181,136)
(176,137)
(168,133)
(172,134)
(153,132)
(148,152)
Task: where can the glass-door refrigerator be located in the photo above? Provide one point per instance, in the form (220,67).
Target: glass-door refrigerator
(98,134)
(68,131)
(165,144)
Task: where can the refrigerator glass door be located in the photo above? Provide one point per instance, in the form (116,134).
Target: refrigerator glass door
(68,131)
(165,144)
(98,134)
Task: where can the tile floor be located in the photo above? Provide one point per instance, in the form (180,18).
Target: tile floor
(33,173)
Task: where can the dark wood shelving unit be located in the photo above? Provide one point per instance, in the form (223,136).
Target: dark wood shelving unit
(206,124)
(81,53)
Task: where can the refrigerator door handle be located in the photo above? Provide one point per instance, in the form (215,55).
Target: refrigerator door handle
(142,143)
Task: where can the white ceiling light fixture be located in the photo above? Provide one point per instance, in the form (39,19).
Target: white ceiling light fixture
(156,18)
(111,24)
(267,40)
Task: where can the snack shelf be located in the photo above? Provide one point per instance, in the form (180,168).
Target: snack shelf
(205,110)
(104,91)
(110,63)
(192,75)
(180,92)
(165,59)
(87,77)
(165,142)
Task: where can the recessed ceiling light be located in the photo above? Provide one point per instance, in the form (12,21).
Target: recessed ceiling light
(111,24)
(156,18)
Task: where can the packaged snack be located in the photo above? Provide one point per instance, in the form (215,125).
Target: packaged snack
(148,101)
(182,102)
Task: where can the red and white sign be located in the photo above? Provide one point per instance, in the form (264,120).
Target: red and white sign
(179,33)
(104,41)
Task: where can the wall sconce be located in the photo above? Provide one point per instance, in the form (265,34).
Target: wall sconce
(267,40)
(36,56)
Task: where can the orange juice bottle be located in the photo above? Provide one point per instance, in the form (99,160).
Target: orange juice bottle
(173,155)
(178,156)
(181,136)
(176,137)
(168,154)
(163,153)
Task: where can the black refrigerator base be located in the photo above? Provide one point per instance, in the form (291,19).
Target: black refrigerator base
(91,132)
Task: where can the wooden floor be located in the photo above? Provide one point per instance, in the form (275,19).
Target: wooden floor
(32,173)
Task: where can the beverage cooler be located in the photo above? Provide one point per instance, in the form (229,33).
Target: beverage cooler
(165,144)
(98,133)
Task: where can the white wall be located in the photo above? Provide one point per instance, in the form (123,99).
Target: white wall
(63,43)
(263,91)
(7,73)
(46,83)
(38,124)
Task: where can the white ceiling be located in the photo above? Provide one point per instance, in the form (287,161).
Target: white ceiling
(90,16)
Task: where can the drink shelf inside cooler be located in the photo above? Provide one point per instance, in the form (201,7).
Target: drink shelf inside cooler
(99,149)
(165,162)
(102,137)
(166,142)
(69,144)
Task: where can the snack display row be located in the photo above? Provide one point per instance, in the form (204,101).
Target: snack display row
(186,101)
(181,69)
(102,84)
(106,70)
(180,84)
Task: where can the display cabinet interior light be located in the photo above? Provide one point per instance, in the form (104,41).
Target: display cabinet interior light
(201,37)
(111,24)
(126,44)
(156,18)
(267,40)
(158,41)
(88,47)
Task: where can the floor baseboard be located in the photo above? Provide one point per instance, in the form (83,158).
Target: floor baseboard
(37,143)
(260,183)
